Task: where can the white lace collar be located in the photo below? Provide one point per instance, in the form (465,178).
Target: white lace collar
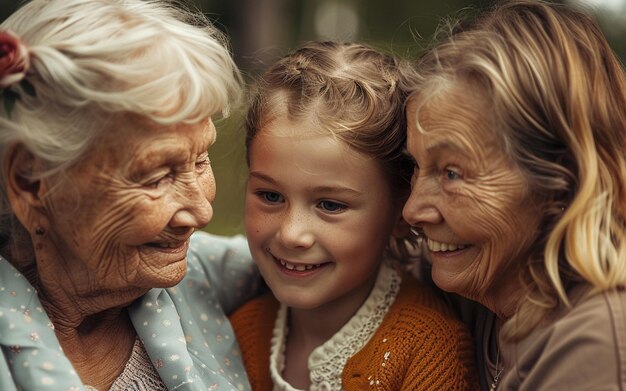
(326,362)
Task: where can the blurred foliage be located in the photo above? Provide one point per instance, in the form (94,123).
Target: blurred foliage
(263,30)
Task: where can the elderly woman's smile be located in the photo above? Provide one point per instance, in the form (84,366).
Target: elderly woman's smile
(169,245)
(469,201)
(436,246)
(104,177)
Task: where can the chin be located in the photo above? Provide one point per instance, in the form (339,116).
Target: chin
(170,275)
(445,282)
(296,301)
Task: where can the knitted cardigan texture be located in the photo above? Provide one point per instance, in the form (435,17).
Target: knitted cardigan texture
(419,346)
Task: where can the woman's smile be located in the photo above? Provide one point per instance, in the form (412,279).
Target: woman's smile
(170,247)
(435,246)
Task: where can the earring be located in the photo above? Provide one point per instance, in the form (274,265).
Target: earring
(39,231)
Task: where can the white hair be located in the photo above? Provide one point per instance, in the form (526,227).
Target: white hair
(95,60)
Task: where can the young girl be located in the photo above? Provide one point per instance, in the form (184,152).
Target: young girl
(328,179)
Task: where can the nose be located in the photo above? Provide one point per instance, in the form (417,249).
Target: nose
(421,207)
(295,230)
(195,203)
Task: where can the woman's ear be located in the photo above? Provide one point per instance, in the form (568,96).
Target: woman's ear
(24,190)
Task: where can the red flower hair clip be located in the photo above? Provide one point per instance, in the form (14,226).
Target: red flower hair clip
(14,63)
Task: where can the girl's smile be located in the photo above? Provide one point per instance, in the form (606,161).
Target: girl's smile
(315,210)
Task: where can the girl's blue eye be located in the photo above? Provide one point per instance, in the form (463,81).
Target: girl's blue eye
(270,197)
(331,206)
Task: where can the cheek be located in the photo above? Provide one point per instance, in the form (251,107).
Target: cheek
(489,223)
(132,221)
(507,225)
(208,185)
(490,210)
(257,223)
(370,233)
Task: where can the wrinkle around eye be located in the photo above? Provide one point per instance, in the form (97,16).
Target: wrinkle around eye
(203,159)
(159,182)
(203,166)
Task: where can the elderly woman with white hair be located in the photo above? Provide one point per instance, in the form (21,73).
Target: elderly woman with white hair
(105,124)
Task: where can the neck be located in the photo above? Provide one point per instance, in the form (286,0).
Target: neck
(504,300)
(504,296)
(18,250)
(73,293)
(85,317)
(310,328)
(322,322)
(84,327)
(98,358)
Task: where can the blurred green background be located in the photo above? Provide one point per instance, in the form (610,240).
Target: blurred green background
(263,30)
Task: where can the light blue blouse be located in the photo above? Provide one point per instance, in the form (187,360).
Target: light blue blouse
(184,328)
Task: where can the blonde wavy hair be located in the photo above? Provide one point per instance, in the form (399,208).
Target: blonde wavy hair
(354,92)
(558,99)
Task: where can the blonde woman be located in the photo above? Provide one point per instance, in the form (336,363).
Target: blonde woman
(518,131)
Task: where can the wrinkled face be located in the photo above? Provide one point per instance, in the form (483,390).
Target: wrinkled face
(469,199)
(318,216)
(122,218)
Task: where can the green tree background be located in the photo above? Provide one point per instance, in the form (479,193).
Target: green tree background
(262,30)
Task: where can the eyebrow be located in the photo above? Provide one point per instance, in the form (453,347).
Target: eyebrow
(160,154)
(320,189)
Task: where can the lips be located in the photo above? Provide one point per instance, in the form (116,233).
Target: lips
(175,244)
(171,241)
(297,266)
(436,246)
(170,244)
(166,251)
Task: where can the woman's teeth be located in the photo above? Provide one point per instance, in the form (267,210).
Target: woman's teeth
(439,246)
(167,245)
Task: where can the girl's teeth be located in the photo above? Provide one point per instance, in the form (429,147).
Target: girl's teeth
(299,268)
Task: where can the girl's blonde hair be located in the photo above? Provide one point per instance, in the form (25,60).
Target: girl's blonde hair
(94,61)
(557,95)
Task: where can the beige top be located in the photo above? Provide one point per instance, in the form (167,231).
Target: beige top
(138,375)
(584,349)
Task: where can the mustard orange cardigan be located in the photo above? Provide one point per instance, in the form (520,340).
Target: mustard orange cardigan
(418,346)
